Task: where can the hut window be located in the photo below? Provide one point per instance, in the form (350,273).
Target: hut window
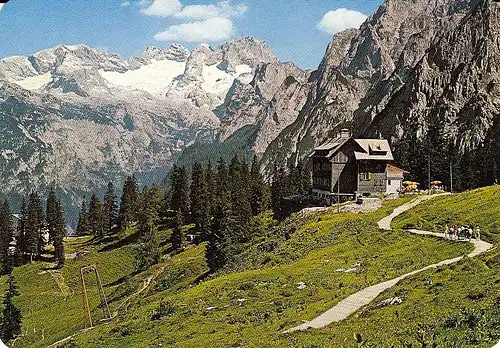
(366,176)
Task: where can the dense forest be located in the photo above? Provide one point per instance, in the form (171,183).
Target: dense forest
(216,202)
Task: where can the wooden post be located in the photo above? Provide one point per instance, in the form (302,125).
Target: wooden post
(85,300)
(104,302)
(338,191)
(429,174)
(101,291)
(451,178)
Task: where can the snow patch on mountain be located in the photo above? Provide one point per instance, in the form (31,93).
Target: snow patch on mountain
(154,78)
(35,82)
(218,82)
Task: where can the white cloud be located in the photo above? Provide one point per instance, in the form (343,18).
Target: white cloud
(125,4)
(160,8)
(1,5)
(339,20)
(210,30)
(220,9)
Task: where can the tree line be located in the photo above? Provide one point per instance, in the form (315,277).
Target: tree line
(220,202)
(215,202)
(25,242)
(35,228)
(438,153)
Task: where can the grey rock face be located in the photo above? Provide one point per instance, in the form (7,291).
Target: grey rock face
(271,100)
(175,52)
(71,127)
(456,81)
(363,68)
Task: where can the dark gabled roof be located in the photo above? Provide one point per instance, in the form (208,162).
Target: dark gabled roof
(331,147)
(370,149)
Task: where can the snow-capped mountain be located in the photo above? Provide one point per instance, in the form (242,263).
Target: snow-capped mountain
(75,117)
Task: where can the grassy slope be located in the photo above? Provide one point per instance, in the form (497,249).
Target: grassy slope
(51,302)
(253,306)
(478,207)
(454,306)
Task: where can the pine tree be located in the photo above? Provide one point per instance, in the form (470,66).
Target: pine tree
(82,228)
(156,197)
(11,323)
(277,192)
(21,235)
(148,253)
(211,182)
(34,226)
(6,236)
(129,203)
(199,197)
(217,252)
(163,213)
(110,209)
(59,234)
(259,191)
(221,184)
(96,217)
(56,226)
(179,186)
(176,238)
(240,193)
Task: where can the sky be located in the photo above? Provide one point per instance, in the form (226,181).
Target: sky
(297,30)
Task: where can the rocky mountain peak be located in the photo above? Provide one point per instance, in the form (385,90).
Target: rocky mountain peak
(245,51)
(175,52)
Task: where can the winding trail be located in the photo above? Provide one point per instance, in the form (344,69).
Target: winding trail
(361,298)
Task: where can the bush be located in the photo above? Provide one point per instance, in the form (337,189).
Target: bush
(164,309)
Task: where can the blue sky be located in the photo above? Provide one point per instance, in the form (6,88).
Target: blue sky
(297,30)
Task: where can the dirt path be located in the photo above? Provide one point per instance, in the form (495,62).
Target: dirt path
(385,223)
(61,283)
(360,299)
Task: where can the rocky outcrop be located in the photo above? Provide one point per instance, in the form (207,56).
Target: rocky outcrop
(363,68)
(456,83)
(271,100)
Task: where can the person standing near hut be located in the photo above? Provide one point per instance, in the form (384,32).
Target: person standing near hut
(478,233)
(446,231)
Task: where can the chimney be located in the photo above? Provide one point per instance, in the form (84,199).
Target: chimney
(344,133)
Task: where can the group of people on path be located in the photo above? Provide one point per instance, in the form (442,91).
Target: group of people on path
(456,232)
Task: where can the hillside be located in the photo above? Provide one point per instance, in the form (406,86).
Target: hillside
(248,304)
(453,306)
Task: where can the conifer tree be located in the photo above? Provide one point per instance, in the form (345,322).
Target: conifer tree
(148,253)
(82,228)
(34,226)
(278,188)
(176,238)
(129,203)
(200,200)
(59,234)
(217,252)
(96,217)
(179,186)
(211,183)
(6,236)
(163,212)
(240,193)
(56,226)
(156,197)
(260,196)
(11,322)
(21,234)
(222,183)
(110,209)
